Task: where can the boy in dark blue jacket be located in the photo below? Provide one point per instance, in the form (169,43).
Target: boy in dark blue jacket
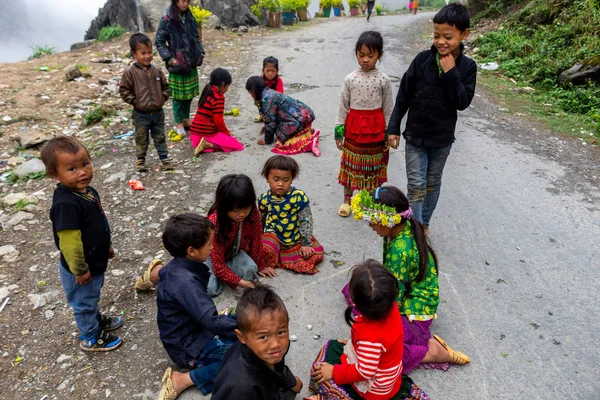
(192,332)
(438,82)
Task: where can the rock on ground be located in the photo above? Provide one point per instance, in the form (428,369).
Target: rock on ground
(13,198)
(72,72)
(34,137)
(580,74)
(33,166)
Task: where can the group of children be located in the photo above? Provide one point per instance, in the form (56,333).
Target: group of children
(239,353)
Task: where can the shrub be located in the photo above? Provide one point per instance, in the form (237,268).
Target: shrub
(41,51)
(353,3)
(110,32)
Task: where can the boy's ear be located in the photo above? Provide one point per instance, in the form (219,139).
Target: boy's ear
(190,251)
(240,336)
(465,34)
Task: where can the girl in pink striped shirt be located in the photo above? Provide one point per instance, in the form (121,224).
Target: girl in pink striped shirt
(369,365)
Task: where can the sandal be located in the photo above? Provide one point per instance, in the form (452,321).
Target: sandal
(167,391)
(143,284)
(315,144)
(344,210)
(456,357)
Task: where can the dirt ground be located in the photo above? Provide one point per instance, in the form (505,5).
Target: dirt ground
(39,356)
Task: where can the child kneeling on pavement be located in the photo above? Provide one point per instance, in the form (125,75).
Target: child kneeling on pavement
(192,332)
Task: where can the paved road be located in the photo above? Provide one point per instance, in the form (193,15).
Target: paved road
(518,263)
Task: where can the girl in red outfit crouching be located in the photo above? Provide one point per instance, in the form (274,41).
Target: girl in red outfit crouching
(209,132)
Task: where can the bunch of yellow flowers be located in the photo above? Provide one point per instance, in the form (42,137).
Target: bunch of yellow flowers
(200,14)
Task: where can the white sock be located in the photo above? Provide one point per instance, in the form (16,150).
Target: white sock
(181,131)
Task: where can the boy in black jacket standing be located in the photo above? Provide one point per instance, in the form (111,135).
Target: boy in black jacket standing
(438,82)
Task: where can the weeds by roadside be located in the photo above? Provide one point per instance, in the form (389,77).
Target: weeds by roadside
(96,114)
(110,32)
(41,51)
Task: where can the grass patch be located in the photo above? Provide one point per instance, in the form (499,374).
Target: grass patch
(12,178)
(82,67)
(110,32)
(41,51)
(21,204)
(96,114)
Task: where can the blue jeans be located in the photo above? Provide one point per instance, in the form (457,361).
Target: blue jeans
(424,168)
(154,124)
(206,366)
(83,299)
(242,265)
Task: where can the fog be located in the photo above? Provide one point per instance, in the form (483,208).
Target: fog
(58,23)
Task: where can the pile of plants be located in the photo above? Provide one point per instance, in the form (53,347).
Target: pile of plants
(110,32)
(543,39)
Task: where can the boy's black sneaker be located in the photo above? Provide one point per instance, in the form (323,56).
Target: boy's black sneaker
(104,342)
(140,165)
(108,324)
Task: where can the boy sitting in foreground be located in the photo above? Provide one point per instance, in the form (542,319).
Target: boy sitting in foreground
(254,368)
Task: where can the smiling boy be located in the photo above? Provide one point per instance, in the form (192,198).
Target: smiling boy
(438,83)
(254,368)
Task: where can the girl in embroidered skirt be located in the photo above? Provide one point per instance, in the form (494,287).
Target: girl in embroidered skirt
(369,365)
(407,254)
(270,74)
(179,45)
(365,109)
(237,257)
(287,238)
(209,132)
(286,118)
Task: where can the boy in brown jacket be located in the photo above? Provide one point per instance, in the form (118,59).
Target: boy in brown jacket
(145,87)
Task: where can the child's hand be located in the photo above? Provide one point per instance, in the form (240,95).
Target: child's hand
(268,271)
(84,279)
(298,387)
(394,141)
(111,253)
(339,144)
(306,252)
(343,341)
(246,284)
(172,62)
(324,372)
(447,62)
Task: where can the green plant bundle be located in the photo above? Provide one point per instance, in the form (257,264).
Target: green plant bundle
(41,51)
(270,5)
(353,3)
(337,3)
(378,7)
(292,5)
(110,32)
(326,3)
(199,13)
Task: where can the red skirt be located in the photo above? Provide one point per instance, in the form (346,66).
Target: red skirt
(365,126)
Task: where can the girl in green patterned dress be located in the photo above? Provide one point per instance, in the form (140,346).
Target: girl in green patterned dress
(178,44)
(407,254)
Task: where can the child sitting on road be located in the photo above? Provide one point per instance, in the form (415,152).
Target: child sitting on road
(270,74)
(192,332)
(408,255)
(237,257)
(82,234)
(209,132)
(288,241)
(145,87)
(438,83)
(254,368)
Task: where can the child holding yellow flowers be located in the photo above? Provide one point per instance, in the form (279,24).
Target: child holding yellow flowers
(408,255)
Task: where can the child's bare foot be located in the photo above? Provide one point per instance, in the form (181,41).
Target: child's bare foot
(261,142)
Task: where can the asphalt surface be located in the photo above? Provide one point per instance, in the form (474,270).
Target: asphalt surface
(518,259)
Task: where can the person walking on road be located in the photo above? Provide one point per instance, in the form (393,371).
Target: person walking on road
(370,5)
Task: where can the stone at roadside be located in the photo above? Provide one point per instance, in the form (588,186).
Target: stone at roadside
(84,44)
(13,198)
(525,89)
(580,74)
(117,176)
(212,22)
(13,161)
(32,138)
(19,217)
(243,28)
(103,81)
(40,300)
(33,166)
(5,291)
(72,72)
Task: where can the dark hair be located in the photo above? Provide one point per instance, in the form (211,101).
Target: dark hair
(59,144)
(186,230)
(256,85)
(372,39)
(217,77)
(138,38)
(233,192)
(373,290)
(393,197)
(174,10)
(259,300)
(283,163)
(454,14)
(271,60)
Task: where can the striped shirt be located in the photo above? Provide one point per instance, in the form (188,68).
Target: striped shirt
(209,116)
(372,360)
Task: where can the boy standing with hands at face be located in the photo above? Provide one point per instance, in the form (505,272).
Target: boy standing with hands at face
(145,87)
(82,234)
(438,83)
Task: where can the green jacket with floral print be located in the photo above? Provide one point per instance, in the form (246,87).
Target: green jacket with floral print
(401,258)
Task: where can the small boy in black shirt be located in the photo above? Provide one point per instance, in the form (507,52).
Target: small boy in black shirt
(254,368)
(437,84)
(192,332)
(82,235)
